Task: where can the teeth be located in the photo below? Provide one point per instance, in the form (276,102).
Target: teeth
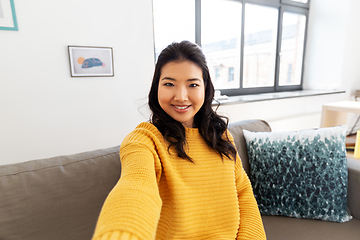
(181,107)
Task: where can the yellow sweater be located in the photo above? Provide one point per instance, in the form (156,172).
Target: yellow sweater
(162,196)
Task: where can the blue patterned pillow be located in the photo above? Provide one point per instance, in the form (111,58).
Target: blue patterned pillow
(300,174)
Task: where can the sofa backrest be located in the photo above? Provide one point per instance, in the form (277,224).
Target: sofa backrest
(235,130)
(58,198)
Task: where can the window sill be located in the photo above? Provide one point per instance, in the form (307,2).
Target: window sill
(273,96)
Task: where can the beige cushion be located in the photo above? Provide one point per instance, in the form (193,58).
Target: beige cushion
(287,228)
(57,198)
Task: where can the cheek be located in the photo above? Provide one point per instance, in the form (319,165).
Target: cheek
(163,96)
(200,97)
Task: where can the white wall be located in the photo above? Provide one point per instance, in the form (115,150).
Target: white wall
(44,112)
(351,67)
(327,38)
(333,50)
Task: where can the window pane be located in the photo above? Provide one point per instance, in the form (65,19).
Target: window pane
(221,39)
(260,35)
(292,47)
(231,74)
(174,20)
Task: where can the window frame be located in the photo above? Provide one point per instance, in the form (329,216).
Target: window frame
(297,4)
(290,9)
(254,90)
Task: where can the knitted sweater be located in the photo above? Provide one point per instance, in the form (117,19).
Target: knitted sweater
(162,196)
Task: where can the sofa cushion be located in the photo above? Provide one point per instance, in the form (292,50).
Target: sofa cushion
(300,174)
(286,228)
(57,198)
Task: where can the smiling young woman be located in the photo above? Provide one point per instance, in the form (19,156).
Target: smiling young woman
(181,176)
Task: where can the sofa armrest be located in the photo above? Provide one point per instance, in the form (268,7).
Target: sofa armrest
(354,187)
(236,130)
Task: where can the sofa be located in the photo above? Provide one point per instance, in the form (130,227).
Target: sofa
(60,198)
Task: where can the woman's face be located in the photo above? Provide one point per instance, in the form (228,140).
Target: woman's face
(181,91)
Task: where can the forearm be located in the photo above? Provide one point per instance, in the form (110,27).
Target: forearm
(251,226)
(133,206)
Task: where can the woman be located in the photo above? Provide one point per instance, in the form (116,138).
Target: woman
(181,175)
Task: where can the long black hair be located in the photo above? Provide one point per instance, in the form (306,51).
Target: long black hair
(212,126)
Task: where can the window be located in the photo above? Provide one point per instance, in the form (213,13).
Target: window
(259,45)
(292,48)
(251,46)
(221,38)
(231,74)
(217,73)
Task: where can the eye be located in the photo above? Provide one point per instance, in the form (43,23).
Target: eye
(169,84)
(194,85)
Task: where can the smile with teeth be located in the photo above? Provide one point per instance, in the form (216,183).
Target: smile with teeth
(181,107)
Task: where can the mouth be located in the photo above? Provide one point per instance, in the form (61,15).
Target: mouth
(181,107)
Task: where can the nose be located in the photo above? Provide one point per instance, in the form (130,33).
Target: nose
(181,94)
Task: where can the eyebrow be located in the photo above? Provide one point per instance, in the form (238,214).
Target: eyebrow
(173,79)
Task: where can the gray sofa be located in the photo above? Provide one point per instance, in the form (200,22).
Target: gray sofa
(60,198)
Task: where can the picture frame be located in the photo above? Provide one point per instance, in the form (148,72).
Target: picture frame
(8,16)
(89,61)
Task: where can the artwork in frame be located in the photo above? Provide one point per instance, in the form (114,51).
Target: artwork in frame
(7,15)
(91,61)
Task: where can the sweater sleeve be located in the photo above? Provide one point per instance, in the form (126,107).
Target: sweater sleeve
(132,209)
(251,226)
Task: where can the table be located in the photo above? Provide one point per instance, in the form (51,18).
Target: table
(335,114)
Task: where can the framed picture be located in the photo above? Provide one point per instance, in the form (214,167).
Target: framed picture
(91,61)
(7,15)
